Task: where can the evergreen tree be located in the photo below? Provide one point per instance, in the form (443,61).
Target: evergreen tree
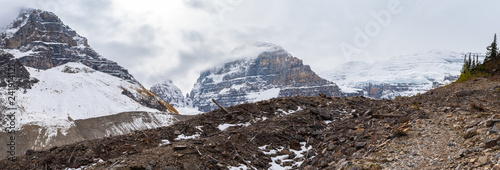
(474,62)
(477,60)
(469,62)
(492,50)
(466,73)
(464,67)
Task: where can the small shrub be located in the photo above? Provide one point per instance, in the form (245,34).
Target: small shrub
(416,105)
(465,76)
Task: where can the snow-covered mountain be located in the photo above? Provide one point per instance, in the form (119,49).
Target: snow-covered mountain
(60,80)
(404,75)
(263,71)
(170,93)
(39,39)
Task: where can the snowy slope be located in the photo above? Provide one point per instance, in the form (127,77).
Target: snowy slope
(404,75)
(70,92)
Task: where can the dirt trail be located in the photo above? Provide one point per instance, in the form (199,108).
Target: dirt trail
(460,132)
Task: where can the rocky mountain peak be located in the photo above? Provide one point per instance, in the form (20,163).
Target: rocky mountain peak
(170,93)
(39,39)
(263,71)
(35,25)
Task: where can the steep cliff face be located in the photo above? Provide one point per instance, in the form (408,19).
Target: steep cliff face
(10,65)
(267,71)
(39,39)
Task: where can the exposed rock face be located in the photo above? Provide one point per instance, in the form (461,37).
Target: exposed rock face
(271,72)
(21,75)
(171,94)
(41,40)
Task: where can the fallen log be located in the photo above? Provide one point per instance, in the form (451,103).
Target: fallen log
(220,106)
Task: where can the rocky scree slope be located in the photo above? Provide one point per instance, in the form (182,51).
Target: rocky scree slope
(452,127)
(265,71)
(461,132)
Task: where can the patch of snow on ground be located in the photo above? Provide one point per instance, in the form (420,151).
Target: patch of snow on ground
(164,142)
(188,111)
(223,127)
(241,167)
(199,127)
(290,111)
(182,136)
(282,158)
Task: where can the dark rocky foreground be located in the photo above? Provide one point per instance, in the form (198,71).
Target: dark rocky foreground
(446,128)
(335,128)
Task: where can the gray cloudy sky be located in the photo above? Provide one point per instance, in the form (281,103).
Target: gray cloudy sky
(177,39)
